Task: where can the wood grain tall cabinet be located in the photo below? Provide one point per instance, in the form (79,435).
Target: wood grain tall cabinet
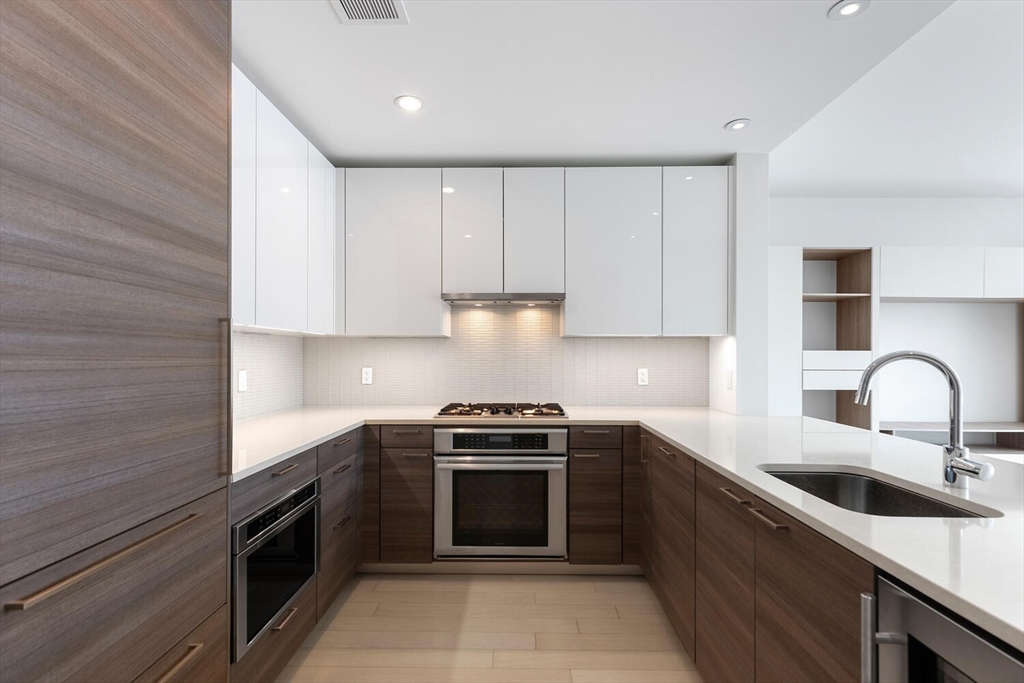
(114,172)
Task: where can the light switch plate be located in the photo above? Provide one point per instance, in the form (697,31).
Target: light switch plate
(367,375)
(641,376)
(243,381)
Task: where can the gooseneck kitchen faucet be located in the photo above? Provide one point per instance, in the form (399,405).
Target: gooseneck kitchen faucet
(958,465)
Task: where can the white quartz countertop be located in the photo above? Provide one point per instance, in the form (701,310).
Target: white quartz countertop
(975,567)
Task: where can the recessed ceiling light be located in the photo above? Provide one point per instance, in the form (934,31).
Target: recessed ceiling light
(738,124)
(286,190)
(655,213)
(408,102)
(847,9)
(632,237)
(689,177)
(447,190)
(478,305)
(468,235)
(531,305)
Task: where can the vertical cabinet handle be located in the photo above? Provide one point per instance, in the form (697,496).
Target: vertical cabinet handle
(193,650)
(732,496)
(70,581)
(868,610)
(286,470)
(759,514)
(284,622)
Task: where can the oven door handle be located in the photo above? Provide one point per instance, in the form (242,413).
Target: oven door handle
(498,467)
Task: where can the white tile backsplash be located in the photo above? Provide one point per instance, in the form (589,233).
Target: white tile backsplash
(275,374)
(506,354)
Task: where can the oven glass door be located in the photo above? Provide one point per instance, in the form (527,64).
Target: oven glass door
(277,568)
(499,508)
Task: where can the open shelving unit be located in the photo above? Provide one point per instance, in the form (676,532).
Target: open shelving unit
(837,298)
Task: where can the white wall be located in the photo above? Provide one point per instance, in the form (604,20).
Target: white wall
(785,364)
(872,222)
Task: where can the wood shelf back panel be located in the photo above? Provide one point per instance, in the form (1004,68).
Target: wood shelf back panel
(850,413)
(853,325)
(853,273)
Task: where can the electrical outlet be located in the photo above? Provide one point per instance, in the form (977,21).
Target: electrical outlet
(728,380)
(367,375)
(641,376)
(243,381)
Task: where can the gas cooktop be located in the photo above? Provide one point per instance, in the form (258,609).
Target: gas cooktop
(524,410)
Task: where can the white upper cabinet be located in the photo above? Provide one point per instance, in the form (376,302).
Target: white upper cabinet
(281,220)
(1004,273)
(320,248)
(613,251)
(243,199)
(933,272)
(471,222)
(534,230)
(695,260)
(340,239)
(393,253)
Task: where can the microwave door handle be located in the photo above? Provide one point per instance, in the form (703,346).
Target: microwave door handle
(552,467)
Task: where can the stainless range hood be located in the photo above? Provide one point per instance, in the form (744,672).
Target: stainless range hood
(533,298)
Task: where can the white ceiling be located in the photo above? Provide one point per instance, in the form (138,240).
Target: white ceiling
(562,81)
(943,116)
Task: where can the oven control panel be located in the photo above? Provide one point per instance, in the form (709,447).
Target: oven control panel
(519,441)
(267,519)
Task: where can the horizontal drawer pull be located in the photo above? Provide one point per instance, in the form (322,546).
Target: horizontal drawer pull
(416,455)
(285,471)
(666,451)
(343,522)
(733,497)
(193,650)
(759,513)
(52,590)
(284,622)
(596,431)
(406,431)
(342,469)
(341,443)
(586,455)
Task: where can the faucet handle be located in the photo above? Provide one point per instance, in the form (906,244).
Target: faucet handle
(959,463)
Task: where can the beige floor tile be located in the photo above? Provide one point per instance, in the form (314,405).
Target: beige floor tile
(421,640)
(638,609)
(577,659)
(465,624)
(650,623)
(375,657)
(479,610)
(440,582)
(428,597)
(579,598)
(628,587)
(612,676)
(363,582)
(329,674)
(344,610)
(298,674)
(608,641)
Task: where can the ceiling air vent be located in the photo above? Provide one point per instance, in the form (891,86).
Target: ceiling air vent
(361,12)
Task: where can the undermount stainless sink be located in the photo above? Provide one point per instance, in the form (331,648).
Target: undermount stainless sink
(867,495)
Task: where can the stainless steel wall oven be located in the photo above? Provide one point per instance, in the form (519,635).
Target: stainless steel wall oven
(275,554)
(500,493)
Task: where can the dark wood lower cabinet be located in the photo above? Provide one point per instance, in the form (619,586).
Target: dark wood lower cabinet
(725,580)
(339,549)
(595,506)
(631,504)
(109,612)
(369,497)
(200,656)
(807,604)
(406,505)
(672,501)
(265,660)
(646,515)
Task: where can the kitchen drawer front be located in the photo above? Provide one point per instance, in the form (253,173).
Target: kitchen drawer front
(339,487)
(264,487)
(200,656)
(330,453)
(595,437)
(832,379)
(339,550)
(406,436)
(109,612)
(267,657)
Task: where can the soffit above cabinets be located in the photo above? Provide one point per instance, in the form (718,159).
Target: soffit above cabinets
(618,82)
